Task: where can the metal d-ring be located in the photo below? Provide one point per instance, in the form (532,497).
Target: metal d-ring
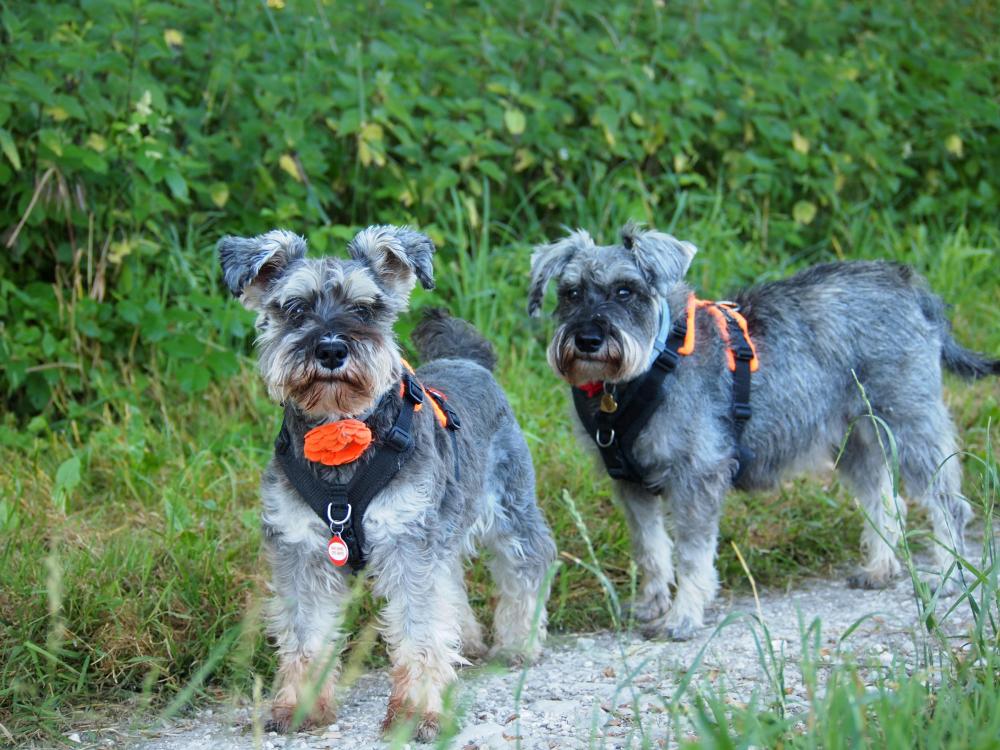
(342,522)
(603,444)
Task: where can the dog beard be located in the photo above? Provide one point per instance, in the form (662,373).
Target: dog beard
(348,391)
(620,358)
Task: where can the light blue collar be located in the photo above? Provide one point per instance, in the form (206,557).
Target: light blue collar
(661,337)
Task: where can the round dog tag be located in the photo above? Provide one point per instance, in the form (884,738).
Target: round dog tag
(337,550)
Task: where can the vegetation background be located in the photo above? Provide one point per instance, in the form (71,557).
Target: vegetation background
(133,134)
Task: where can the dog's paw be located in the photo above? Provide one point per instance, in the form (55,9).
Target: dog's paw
(681,632)
(647,610)
(681,628)
(866,579)
(282,715)
(512,657)
(281,719)
(474,649)
(426,731)
(428,728)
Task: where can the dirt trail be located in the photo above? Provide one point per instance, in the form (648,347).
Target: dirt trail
(590,685)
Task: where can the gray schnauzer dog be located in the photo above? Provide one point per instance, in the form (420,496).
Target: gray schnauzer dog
(817,335)
(328,353)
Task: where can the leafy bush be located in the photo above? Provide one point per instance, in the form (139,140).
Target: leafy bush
(124,125)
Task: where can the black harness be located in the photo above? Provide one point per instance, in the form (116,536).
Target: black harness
(342,506)
(623,409)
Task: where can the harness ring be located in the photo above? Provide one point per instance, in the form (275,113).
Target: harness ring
(342,522)
(603,444)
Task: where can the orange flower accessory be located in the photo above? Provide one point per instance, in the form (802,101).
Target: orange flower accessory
(337,443)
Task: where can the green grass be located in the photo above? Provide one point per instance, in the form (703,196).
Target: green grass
(129,538)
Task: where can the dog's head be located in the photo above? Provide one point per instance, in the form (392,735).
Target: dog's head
(325,339)
(609,300)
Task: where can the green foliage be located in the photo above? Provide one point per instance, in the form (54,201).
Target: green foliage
(120,120)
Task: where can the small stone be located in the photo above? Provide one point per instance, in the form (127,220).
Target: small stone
(75,737)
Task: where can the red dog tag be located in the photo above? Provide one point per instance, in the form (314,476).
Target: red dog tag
(337,551)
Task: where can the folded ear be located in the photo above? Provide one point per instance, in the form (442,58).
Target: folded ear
(399,256)
(548,261)
(662,258)
(250,265)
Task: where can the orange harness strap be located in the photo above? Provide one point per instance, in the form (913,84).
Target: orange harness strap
(437,398)
(720,312)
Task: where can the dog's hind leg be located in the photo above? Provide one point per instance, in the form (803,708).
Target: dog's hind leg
(305,615)
(473,645)
(522,551)
(651,548)
(695,506)
(933,476)
(864,468)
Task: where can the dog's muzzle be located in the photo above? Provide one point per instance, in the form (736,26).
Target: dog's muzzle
(589,338)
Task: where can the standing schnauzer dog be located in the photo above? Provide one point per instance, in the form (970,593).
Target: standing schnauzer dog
(815,336)
(413,504)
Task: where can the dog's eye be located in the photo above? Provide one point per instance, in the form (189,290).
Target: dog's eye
(294,311)
(364,312)
(623,292)
(571,293)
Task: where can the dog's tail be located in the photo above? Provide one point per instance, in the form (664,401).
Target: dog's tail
(963,362)
(440,336)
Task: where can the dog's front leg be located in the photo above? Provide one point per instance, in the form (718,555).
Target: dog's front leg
(305,615)
(651,548)
(695,507)
(421,624)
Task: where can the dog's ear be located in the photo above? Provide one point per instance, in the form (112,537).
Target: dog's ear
(662,258)
(399,256)
(548,261)
(250,265)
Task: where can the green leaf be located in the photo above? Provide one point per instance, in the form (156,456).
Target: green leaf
(67,480)
(176,184)
(804,212)
(515,121)
(9,149)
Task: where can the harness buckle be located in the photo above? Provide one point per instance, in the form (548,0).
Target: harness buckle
(398,439)
(743,353)
(453,421)
(414,391)
(603,443)
(741,412)
(667,360)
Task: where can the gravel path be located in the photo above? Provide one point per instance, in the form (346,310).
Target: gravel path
(591,685)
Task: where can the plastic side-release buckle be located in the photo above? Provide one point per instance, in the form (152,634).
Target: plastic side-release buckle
(741,411)
(398,439)
(667,360)
(414,391)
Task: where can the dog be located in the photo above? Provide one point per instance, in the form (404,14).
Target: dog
(328,354)
(825,343)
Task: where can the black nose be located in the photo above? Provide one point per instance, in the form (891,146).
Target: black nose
(331,354)
(589,339)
